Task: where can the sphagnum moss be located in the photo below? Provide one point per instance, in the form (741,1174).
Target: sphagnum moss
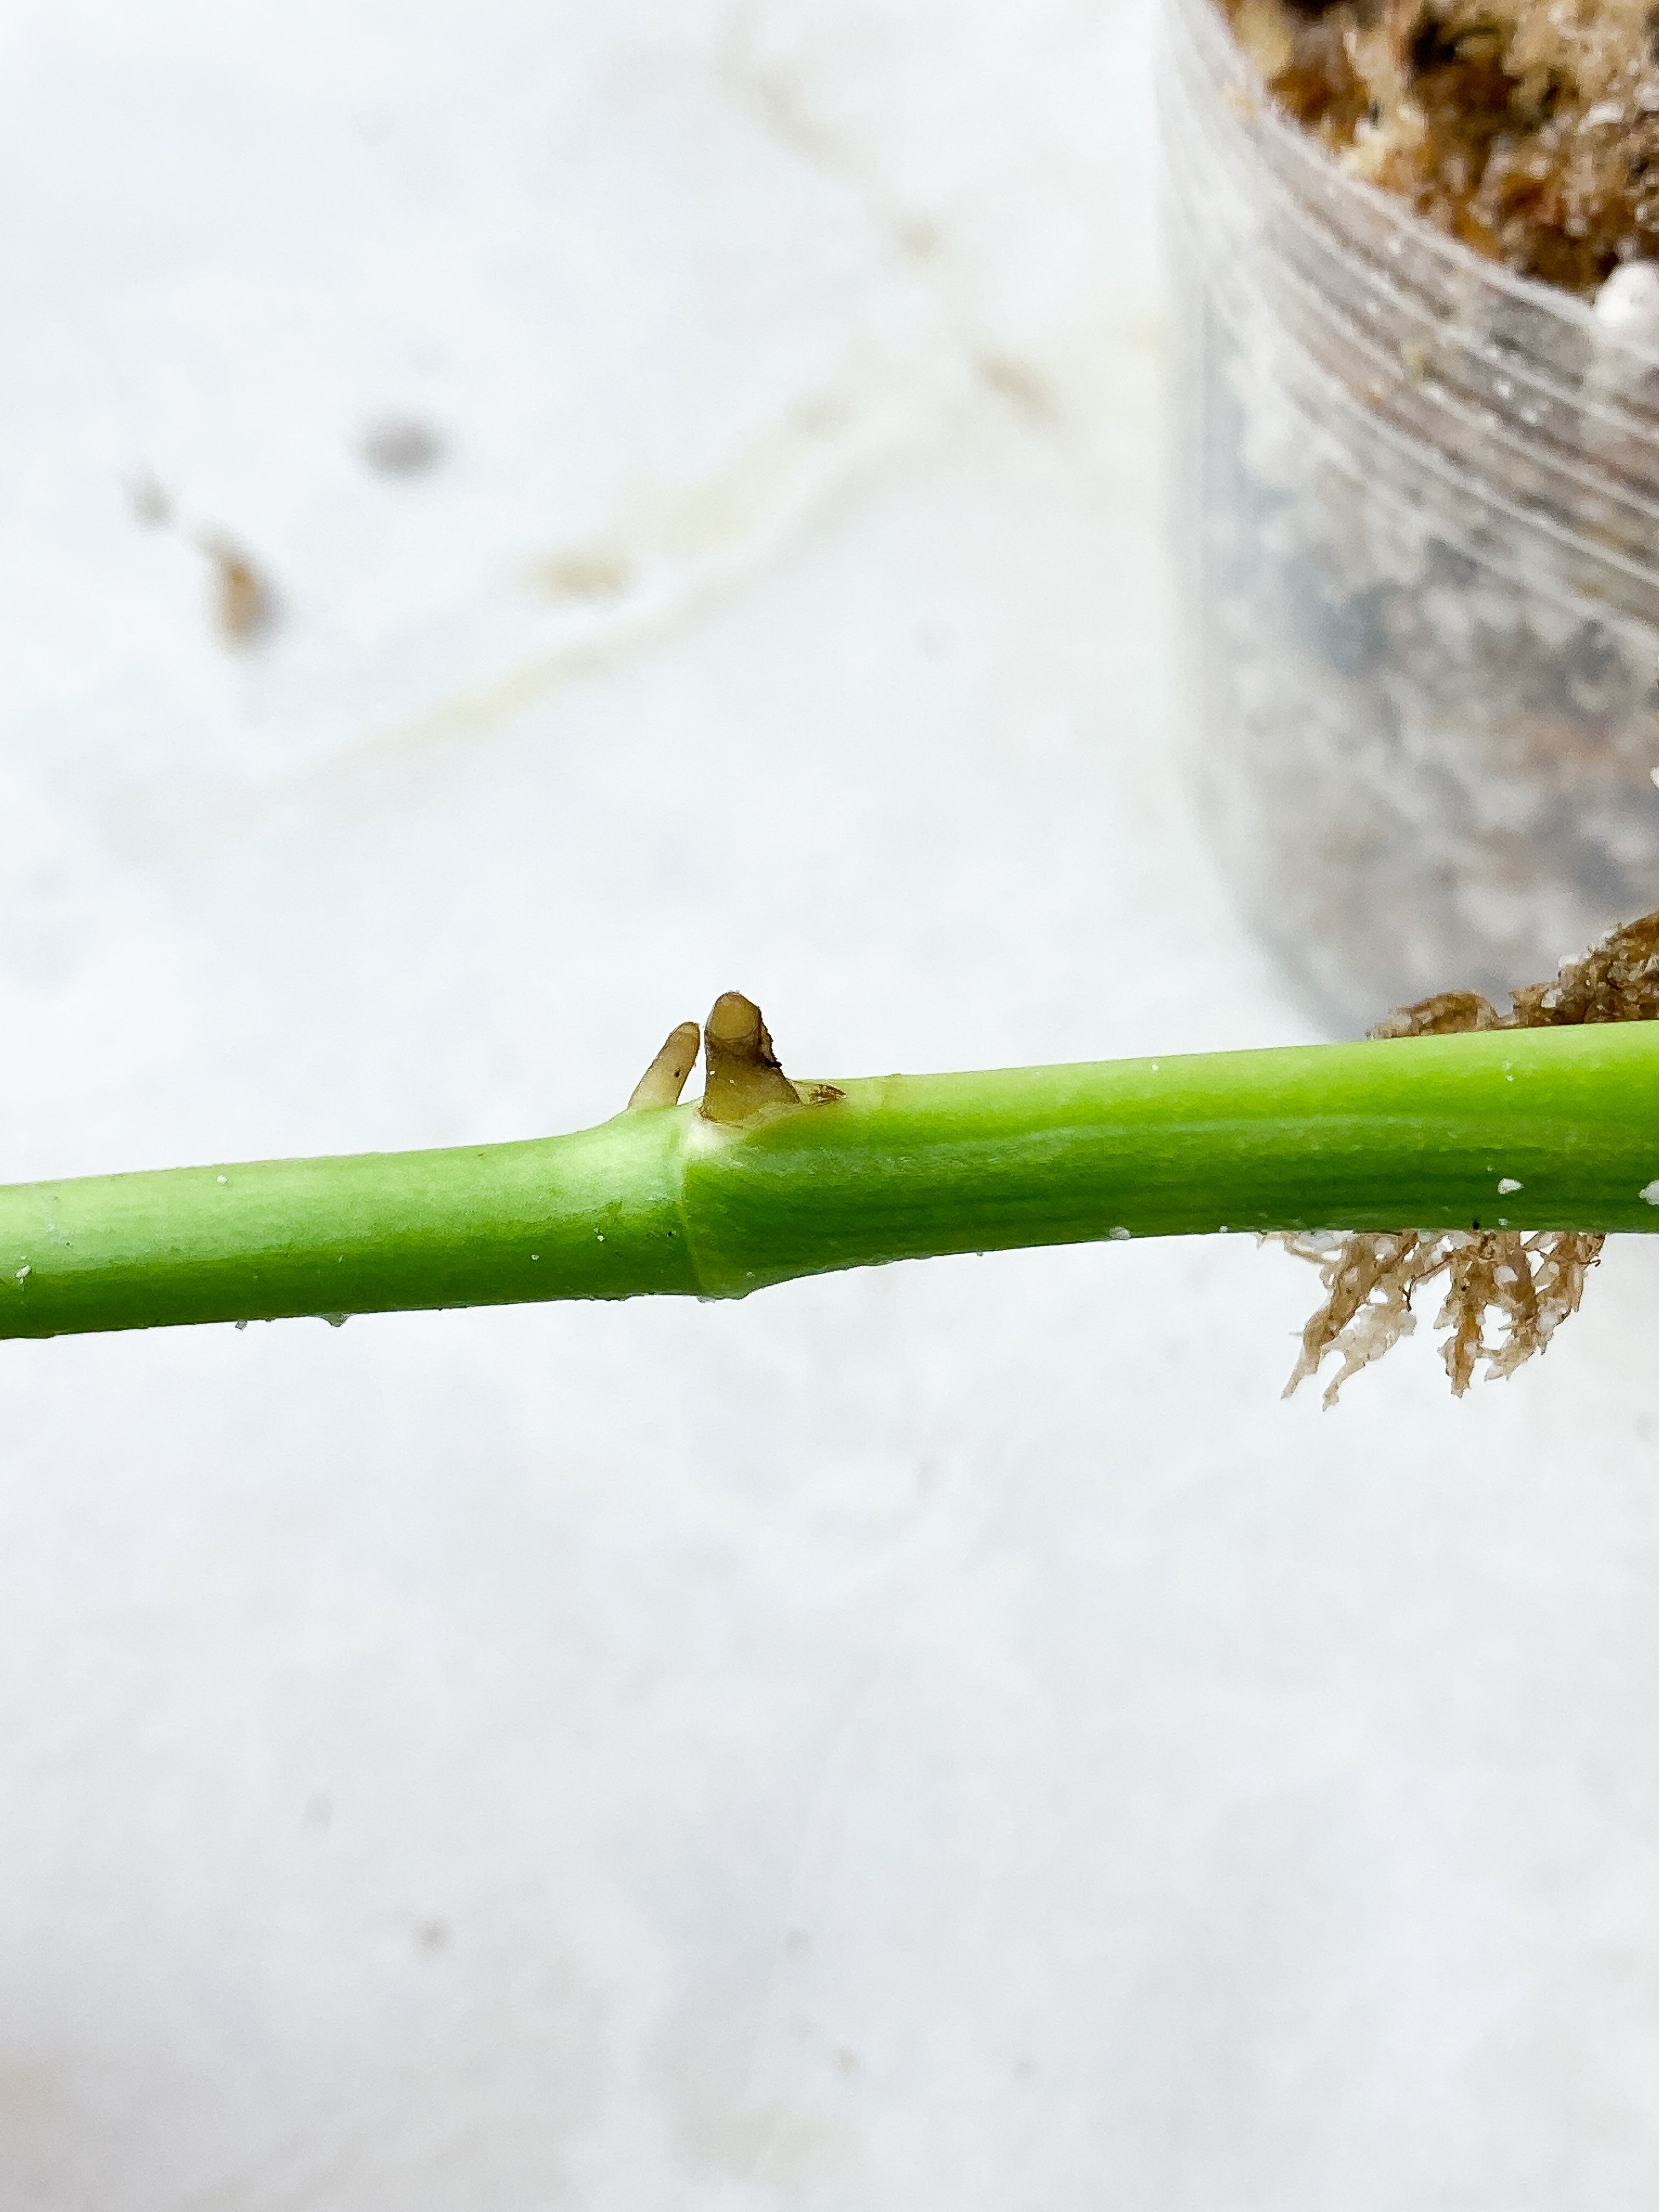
(1530,1283)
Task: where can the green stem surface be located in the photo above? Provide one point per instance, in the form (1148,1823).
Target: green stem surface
(1414,1134)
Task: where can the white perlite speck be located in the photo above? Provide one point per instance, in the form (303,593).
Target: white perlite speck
(1651,1192)
(1628,301)
(1505,1185)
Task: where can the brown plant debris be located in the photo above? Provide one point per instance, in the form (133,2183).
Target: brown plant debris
(244,599)
(1529,128)
(1531,1283)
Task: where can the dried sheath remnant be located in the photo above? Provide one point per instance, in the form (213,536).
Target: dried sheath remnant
(1531,1283)
(744,1075)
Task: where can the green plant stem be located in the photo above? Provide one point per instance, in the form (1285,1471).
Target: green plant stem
(1414,1133)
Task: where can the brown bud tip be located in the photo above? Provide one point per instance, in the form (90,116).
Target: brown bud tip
(734,1024)
(664,1080)
(743,1070)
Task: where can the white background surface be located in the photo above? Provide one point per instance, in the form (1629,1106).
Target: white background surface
(947,1737)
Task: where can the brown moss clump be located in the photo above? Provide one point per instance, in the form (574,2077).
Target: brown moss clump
(1531,1283)
(1529,128)
(1618,982)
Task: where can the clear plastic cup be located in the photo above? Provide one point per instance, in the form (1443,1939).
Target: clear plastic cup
(1418,535)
